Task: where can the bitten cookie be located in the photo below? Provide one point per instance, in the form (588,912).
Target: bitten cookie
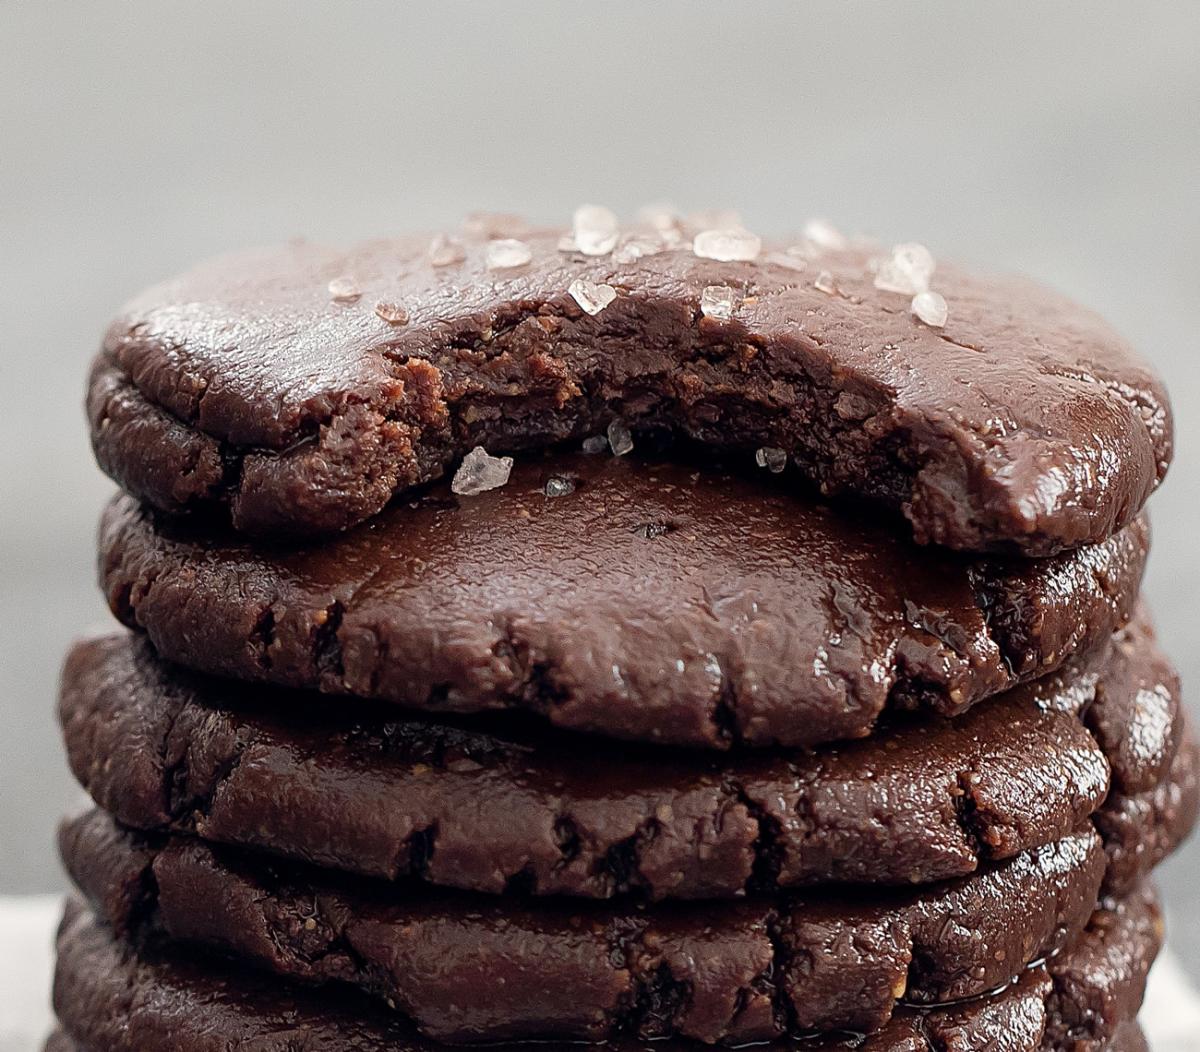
(303,387)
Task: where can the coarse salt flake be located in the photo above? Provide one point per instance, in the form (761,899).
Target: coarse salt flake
(480,472)
(344,289)
(907,270)
(506,253)
(658,216)
(771,458)
(619,438)
(823,234)
(591,297)
(727,244)
(634,248)
(559,486)
(595,444)
(717,301)
(595,230)
(930,307)
(446,251)
(392,313)
(824,283)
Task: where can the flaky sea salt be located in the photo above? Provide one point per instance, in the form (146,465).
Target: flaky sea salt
(344,289)
(591,297)
(664,220)
(559,486)
(595,230)
(774,460)
(446,251)
(619,438)
(633,248)
(727,244)
(595,444)
(930,307)
(507,253)
(824,283)
(907,270)
(823,234)
(717,301)
(660,216)
(392,313)
(480,472)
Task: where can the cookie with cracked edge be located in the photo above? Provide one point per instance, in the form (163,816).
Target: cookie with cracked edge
(487,809)
(661,602)
(110,996)
(1026,424)
(470,968)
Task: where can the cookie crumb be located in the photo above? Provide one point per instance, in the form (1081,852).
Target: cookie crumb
(930,307)
(480,472)
(445,251)
(771,458)
(727,244)
(821,233)
(392,313)
(619,438)
(595,444)
(824,283)
(559,486)
(344,289)
(595,230)
(907,271)
(717,301)
(506,253)
(591,297)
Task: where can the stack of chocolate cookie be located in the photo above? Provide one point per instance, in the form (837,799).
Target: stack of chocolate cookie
(633,634)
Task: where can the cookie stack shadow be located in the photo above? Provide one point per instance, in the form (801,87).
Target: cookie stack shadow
(653,748)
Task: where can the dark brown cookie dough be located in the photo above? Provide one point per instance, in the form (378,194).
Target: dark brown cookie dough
(492,809)
(1025,424)
(110,998)
(470,968)
(656,602)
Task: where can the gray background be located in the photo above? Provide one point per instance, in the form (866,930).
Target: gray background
(1058,138)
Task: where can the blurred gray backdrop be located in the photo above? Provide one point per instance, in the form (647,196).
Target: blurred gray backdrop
(1061,139)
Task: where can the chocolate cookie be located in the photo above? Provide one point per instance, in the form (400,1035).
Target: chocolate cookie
(470,968)
(110,998)
(654,601)
(489,810)
(304,386)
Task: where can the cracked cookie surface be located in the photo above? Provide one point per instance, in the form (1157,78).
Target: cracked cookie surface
(1025,424)
(110,996)
(471,968)
(662,602)
(494,809)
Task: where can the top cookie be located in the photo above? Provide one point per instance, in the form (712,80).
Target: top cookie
(304,386)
